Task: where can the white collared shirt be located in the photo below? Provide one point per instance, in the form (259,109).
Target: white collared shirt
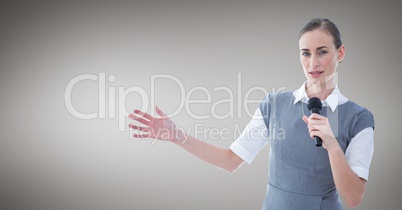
(358,154)
(333,100)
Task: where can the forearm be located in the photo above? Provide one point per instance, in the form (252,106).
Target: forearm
(349,185)
(217,156)
(164,129)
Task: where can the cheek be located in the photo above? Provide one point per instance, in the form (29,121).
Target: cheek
(328,62)
(304,63)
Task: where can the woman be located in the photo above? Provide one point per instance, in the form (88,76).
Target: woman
(301,175)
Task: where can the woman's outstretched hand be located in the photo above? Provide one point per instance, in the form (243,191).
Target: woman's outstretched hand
(318,125)
(160,128)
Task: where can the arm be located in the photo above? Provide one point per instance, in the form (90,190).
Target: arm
(349,185)
(162,128)
(220,157)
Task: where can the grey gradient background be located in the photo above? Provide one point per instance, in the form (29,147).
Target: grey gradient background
(52,160)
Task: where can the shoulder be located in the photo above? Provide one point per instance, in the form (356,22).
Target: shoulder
(274,100)
(353,108)
(277,95)
(359,116)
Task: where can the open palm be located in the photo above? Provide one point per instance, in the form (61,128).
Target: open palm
(160,128)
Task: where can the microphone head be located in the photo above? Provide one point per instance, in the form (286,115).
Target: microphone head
(314,103)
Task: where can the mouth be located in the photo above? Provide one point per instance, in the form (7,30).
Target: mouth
(316,74)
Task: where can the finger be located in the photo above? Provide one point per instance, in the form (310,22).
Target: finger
(145,115)
(320,134)
(312,129)
(136,127)
(315,133)
(139,119)
(316,122)
(305,119)
(316,116)
(141,136)
(160,113)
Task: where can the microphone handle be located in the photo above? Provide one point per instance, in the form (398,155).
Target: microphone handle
(317,139)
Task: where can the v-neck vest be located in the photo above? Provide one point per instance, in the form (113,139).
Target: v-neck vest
(300,175)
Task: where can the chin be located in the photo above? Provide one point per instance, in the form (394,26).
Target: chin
(316,80)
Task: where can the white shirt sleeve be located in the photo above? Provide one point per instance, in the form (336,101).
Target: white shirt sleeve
(360,152)
(254,137)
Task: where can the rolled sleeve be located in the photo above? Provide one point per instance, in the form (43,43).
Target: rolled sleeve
(253,138)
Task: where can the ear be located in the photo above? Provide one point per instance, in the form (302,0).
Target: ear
(341,53)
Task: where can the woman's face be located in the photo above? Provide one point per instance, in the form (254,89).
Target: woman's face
(319,56)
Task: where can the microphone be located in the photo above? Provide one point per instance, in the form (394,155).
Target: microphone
(314,105)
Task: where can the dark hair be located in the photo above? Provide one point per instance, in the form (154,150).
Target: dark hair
(325,25)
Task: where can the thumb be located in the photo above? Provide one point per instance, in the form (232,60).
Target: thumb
(160,113)
(305,119)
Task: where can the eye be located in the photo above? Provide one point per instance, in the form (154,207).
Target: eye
(323,52)
(305,54)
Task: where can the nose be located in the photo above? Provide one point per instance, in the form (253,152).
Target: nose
(314,62)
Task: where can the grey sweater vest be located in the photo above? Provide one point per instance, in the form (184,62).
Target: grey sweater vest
(300,175)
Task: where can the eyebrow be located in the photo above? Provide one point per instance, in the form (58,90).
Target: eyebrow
(318,48)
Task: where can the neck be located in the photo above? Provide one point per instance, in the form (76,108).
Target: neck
(319,89)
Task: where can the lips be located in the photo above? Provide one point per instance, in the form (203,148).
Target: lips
(316,73)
